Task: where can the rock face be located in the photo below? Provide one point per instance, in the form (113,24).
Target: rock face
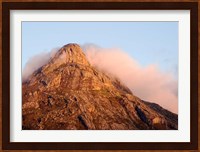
(68,93)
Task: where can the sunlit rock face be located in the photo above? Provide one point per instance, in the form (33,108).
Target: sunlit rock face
(68,93)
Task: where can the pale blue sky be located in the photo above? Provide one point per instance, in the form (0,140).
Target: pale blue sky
(147,42)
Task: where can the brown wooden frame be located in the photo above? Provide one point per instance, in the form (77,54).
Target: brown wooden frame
(7,6)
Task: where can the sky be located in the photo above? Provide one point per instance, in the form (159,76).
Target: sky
(148,42)
(152,48)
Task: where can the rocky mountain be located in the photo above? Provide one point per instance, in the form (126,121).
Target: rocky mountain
(68,93)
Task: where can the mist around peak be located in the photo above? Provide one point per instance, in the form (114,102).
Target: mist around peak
(148,83)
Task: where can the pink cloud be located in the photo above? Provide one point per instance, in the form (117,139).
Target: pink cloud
(148,83)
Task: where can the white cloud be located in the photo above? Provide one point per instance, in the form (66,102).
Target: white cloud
(36,62)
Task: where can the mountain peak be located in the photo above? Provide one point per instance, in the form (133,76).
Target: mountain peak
(72,48)
(70,53)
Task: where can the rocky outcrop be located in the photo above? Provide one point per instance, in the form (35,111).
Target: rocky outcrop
(169,116)
(68,93)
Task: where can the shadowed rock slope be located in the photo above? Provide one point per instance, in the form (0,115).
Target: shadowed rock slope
(68,93)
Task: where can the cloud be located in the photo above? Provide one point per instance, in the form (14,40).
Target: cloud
(36,62)
(148,83)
